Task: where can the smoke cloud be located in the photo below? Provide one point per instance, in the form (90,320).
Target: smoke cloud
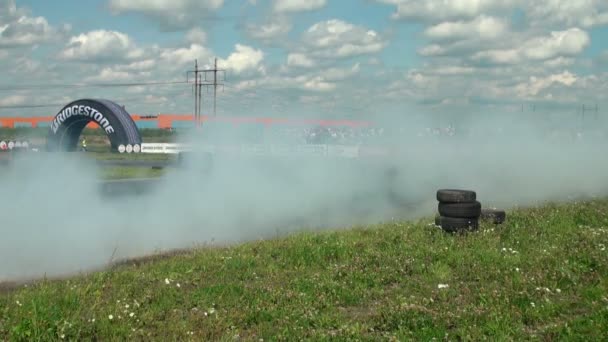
(55,222)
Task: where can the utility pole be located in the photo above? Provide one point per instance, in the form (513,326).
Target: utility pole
(596,111)
(214,87)
(197,98)
(215,82)
(199,82)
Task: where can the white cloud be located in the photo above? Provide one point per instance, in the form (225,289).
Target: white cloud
(507,56)
(536,84)
(340,74)
(244,58)
(110,75)
(18,29)
(196,36)
(585,13)
(482,27)
(170,13)
(338,39)
(445,10)
(143,65)
(540,13)
(271,31)
(14,100)
(181,56)
(566,43)
(319,84)
(559,62)
(153,99)
(299,60)
(298,5)
(452,70)
(101,45)
(559,43)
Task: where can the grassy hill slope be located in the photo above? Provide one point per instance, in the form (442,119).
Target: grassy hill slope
(543,275)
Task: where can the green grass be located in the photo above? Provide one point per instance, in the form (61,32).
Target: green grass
(130,156)
(541,276)
(124,172)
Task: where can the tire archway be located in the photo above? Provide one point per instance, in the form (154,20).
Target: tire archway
(69,123)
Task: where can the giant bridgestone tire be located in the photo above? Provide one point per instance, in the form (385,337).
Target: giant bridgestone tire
(114,120)
(494,215)
(462,210)
(456,196)
(454,224)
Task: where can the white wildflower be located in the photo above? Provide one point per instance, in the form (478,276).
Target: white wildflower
(110,317)
(131,314)
(442,286)
(167,281)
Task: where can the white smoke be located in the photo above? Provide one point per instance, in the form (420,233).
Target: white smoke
(55,222)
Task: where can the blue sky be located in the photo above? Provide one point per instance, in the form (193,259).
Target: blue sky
(338,58)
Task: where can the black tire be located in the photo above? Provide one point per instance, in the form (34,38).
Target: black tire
(460,210)
(495,215)
(456,196)
(455,224)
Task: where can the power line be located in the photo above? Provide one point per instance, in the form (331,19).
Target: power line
(88,85)
(138,100)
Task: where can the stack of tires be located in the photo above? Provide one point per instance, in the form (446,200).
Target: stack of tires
(459,210)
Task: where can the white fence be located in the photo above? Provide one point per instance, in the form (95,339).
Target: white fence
(342,151)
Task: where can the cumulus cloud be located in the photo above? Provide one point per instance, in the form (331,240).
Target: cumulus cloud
(172,14)
(272,31)
(340,74)
(178,57)
(298,5)
(339,39)
(482,27)
(299,60)
(13,100)
(101,45)
(445,10)
(566,43)
(244,58)
(584,13)
(536,84)
(540,13)
(109,74)
(18,29)
(196,36)
(318,83)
